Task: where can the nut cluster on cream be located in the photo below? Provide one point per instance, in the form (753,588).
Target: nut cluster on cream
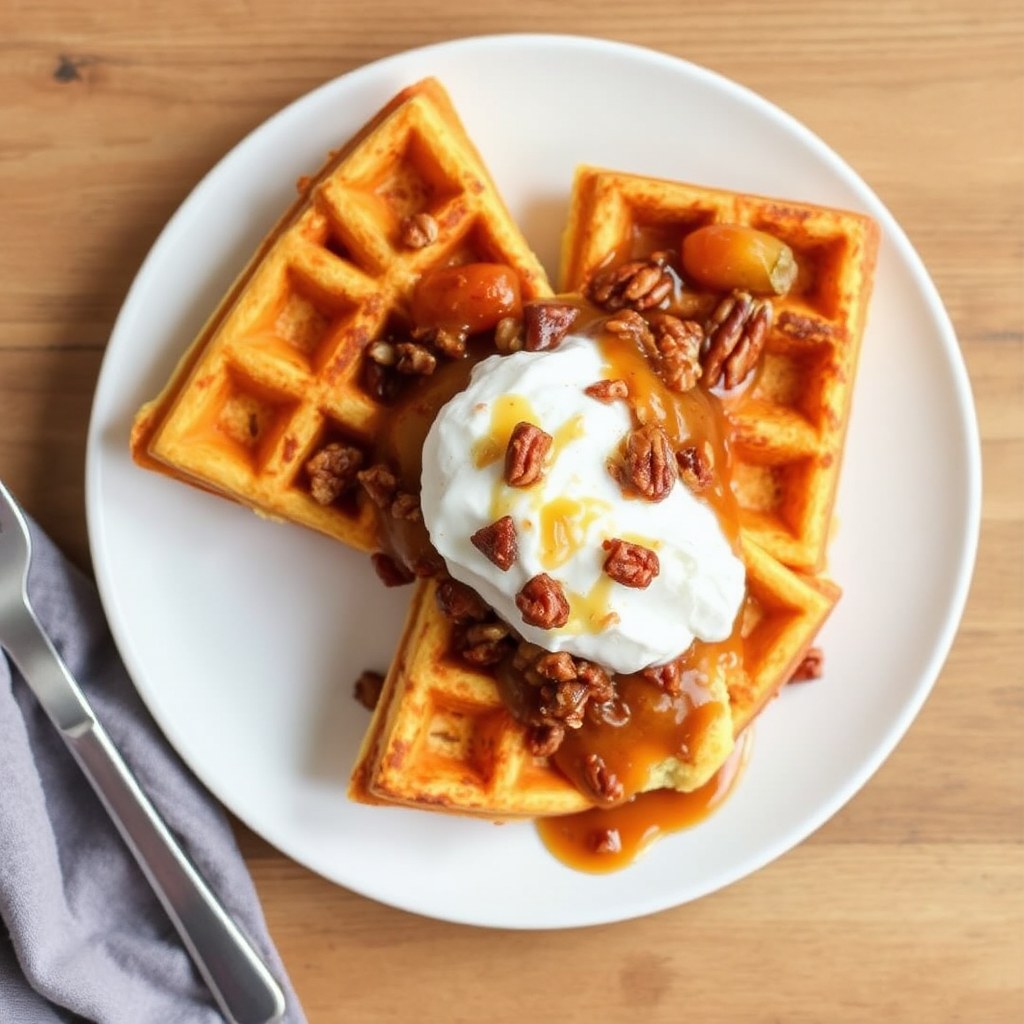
(571,524)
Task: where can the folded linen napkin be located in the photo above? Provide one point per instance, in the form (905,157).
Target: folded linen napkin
(82,936)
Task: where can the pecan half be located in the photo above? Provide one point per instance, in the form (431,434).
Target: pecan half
(608,391)
(668,676)
(498,542)
(414,360)
(407,506)
(546,324)
(604,784)
(368,688)
(736,334)
(564,702)
(391,573)
(460,603)
(485,643)
(558,666)
(630,564)
(639,284)
(379,483)
(332,470)
(678,343)
(650,462)
(629,325)
(527,449)
(545,738)
(418,231)
(449,341)
(811,667)
(696,466)
(542,602)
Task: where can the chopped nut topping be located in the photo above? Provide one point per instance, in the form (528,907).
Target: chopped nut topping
(390,572)
(368,688)
(669,677)
(608,391)
(414,359)
(542,603)
(630,564)
(544,739)
(380,484)
(639,284)
(650,462)
(736,335)
(485,643)
(418,231)
(547,323)
(606,840)
(696,466)
(629,325)
(380,382)
(564,702)
(678,343)
(332,470)
(449,341)
(812,666)
(498,542)
(604,784)
(406,506)
(508,335)
(528,447)
(558,666)
(460,603)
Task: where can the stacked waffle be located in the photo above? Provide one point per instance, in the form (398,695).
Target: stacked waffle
(292,379)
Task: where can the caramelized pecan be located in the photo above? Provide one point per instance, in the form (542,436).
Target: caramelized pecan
(669,677)
(630,564)
(564,702)
(460,603)
(811,667)
(406,506)
(639,284)
(631,326)
(498,542)
(608,391)
(368,688)
(736,334)
(542,602)
(547,323)
(484,643)
(558,666)
(605,840)
(414,360)
(379,483)
(332,470)
(391,573)
(545,738)
(528,447)
(604,784)
(418,231)
(650,462)
(696,466)
(678,343)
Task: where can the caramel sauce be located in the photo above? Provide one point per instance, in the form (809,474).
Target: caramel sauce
(600,841)
(647,726)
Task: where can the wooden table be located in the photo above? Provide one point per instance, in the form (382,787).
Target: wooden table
(909,905)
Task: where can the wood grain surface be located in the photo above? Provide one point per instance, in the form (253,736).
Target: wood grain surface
(909,905)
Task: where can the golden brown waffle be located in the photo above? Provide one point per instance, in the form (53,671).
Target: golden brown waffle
(275,373)
(442,739)
(787,427)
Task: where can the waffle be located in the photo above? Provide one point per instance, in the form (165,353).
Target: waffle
(276,372)
(441,737)
(788,427)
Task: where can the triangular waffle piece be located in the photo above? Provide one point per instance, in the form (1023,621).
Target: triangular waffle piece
(788,427)
(441,737)
(276,372)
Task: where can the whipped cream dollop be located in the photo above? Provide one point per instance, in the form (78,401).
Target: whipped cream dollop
(562,521)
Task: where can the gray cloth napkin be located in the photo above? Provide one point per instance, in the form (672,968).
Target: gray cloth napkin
(82,937)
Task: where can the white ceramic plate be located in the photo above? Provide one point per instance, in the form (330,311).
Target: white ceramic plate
(244,637)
